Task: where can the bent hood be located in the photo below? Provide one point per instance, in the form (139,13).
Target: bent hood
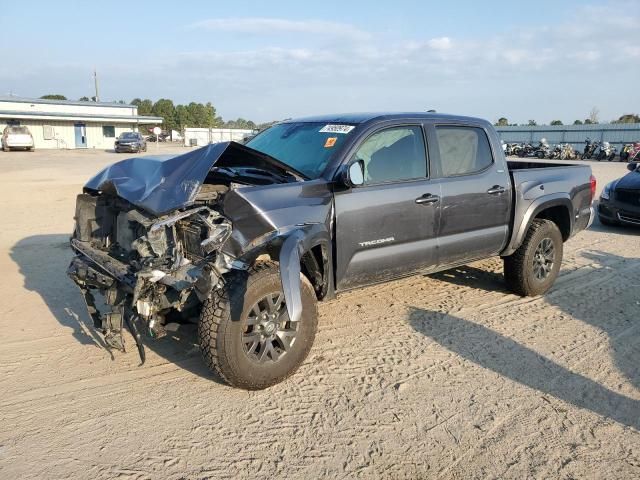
(160,184)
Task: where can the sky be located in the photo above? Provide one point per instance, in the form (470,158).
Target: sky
(264,61)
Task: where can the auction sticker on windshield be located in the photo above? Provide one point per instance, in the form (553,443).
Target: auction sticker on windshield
(331,141)
(336,128)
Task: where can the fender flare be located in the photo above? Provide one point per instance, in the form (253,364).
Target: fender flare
(540,204)
(291,252)
(295,244)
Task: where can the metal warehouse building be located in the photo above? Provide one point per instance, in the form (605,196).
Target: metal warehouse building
(615,133)
(67,124)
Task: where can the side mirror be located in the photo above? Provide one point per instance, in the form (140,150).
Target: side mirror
(632,166)
(355,174)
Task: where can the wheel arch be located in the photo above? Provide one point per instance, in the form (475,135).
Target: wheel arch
(305,250)
(556,208)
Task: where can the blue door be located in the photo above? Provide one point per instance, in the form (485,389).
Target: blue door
(81,135)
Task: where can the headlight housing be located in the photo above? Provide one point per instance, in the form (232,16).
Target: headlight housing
(606,191)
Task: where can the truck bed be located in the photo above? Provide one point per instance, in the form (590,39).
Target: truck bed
(539,182)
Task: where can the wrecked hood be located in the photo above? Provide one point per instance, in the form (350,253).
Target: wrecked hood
(160,184)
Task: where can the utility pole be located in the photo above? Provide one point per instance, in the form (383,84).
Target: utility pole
(95,81)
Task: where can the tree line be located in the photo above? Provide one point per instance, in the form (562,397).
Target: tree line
(178,117)
(592,119)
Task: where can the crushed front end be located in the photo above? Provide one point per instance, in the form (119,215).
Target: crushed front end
(146,267)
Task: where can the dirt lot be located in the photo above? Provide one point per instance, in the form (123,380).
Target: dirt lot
(447,376)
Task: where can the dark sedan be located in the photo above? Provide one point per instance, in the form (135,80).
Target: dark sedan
(131,142)
(620,200)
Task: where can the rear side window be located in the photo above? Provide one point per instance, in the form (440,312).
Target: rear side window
(393,154)
(463,150)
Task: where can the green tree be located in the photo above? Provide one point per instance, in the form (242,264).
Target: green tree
(145,107)
(54,96)
(202,115)
(84,99)
(532,123)
(577,122)
(240,123)
(587,121)
(184,118)
(628,118)
(502,122)
(164,108)
(556,122)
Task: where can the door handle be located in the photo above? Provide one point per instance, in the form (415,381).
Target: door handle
(496,190)
(427,199)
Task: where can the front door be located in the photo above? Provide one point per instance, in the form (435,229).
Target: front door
(81,135)
(387,227)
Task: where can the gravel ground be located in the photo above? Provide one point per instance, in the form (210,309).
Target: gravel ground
(443,376)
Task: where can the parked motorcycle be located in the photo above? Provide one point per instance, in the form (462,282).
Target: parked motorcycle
(540,151)
(606,152)
(567,152)
(590,149)
(630,152)
(634,153)
(512,149)
(555,152)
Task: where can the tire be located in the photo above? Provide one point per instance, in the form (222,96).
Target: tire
(519,270)
(540,155)
(223,329)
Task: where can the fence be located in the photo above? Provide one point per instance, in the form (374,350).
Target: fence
(203,136)
(615,133)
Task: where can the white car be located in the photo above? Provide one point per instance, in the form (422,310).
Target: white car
(16,136)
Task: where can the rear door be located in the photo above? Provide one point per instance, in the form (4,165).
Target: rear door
(386,227)
(476,194)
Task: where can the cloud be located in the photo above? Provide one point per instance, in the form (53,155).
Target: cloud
(283,68)
(270,26)
(442,43)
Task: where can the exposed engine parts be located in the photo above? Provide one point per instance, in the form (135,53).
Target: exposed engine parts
(144,266)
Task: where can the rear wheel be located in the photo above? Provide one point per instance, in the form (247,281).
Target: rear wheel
(534,266)
(245,333)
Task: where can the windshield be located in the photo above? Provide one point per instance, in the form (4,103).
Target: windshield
(19,130)
(305,146)
(129,135)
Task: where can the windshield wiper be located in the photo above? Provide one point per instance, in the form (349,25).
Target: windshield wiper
(262,171)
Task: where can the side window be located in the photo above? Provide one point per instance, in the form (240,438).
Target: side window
(108,131)
(393,154)
(463,150)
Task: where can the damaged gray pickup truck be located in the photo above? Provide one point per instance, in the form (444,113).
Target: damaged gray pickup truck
(248,238)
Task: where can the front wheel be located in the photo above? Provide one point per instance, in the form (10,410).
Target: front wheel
(534,266)
(245,333)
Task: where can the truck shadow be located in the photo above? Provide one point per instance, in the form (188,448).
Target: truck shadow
(43,262)
(502,355)
(595,296)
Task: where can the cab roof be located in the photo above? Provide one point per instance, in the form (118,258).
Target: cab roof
(358,118)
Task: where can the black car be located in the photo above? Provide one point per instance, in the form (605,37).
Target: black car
(132,142)
(620,199)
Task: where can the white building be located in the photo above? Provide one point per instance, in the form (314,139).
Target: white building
(68,124)
(197,137)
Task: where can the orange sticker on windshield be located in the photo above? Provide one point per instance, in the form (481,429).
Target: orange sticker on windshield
(331,141)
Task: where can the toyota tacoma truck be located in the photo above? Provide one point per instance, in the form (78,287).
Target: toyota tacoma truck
(246,239)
